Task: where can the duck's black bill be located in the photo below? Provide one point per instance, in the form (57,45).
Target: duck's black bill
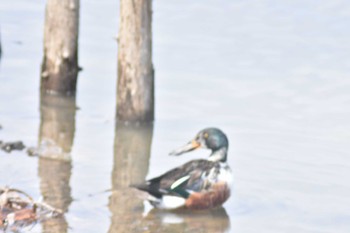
(192,145)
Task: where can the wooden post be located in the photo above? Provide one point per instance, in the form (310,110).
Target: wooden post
(135,91)
(59,69)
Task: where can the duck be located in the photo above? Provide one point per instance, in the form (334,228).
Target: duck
(198,184)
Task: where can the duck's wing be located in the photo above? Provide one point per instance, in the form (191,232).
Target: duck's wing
(180,181)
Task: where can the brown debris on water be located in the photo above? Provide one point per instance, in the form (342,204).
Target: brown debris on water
(19,210)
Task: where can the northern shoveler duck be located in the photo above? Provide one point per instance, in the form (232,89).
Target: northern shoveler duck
(198,184)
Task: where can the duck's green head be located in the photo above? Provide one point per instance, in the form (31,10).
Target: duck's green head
(210,138)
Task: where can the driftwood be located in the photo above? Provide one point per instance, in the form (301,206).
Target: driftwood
(19,210)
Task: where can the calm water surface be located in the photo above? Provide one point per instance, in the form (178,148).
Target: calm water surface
(273,75)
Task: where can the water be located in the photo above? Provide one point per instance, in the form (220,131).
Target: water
(273,75)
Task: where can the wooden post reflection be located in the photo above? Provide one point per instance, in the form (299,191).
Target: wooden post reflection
(132,148)
(56,137)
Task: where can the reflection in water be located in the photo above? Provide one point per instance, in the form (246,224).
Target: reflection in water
(132,147)
(57,126)
(208,221)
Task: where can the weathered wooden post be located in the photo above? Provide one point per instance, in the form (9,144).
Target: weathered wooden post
(59,69)
(135,91)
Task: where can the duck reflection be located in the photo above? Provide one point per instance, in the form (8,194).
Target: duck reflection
(132,148)
(56,137)
(182,220)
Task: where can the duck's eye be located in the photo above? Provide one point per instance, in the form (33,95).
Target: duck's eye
(206,135)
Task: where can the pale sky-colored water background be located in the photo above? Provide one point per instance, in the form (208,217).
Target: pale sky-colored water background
(273,75)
